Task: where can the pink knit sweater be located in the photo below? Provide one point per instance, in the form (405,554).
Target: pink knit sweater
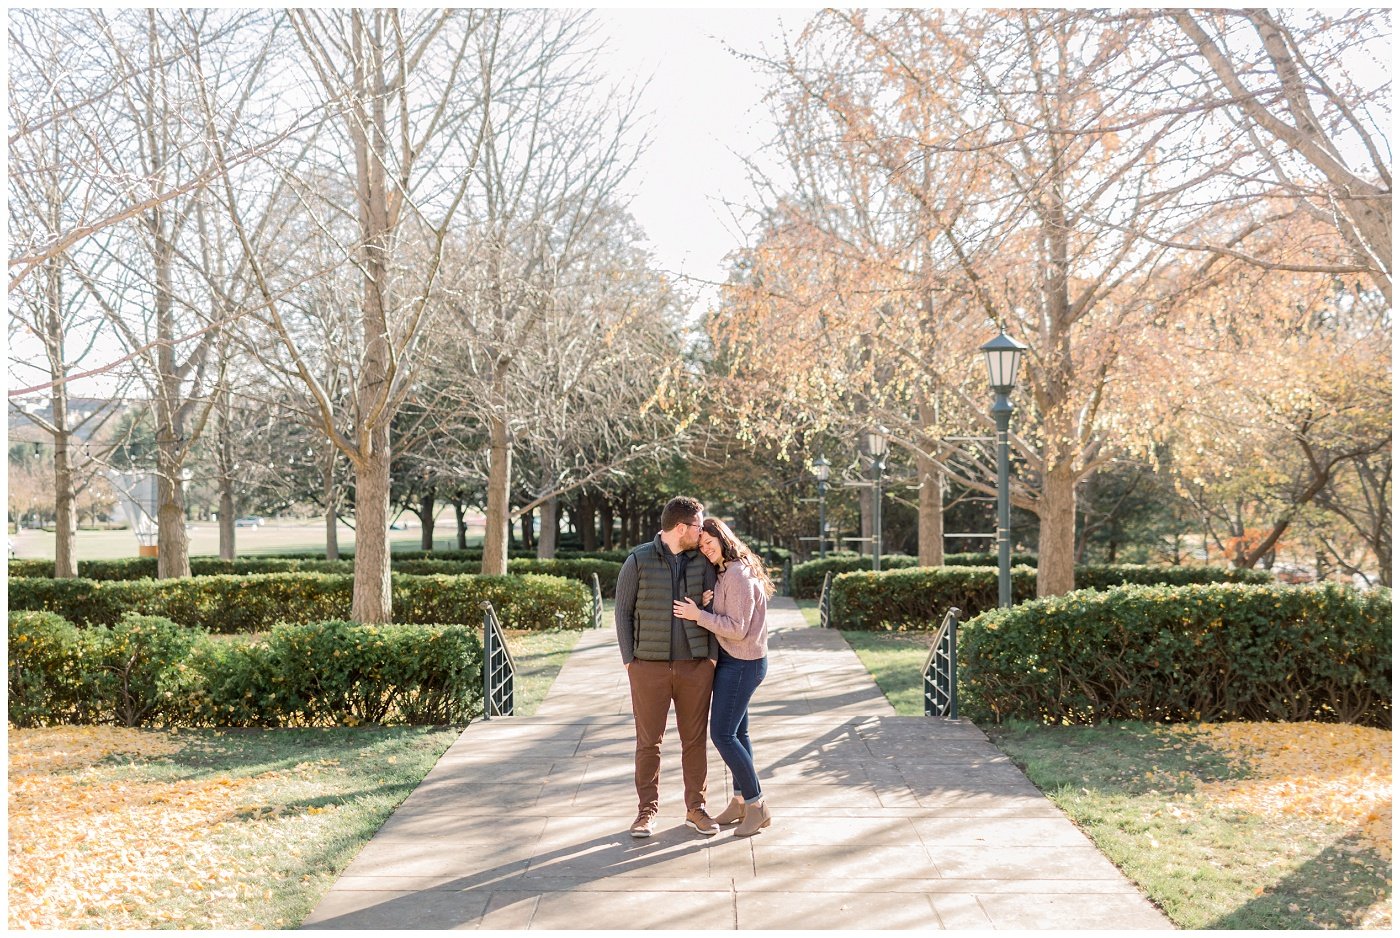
(741,610)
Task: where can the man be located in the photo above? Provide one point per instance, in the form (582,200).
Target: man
(668,659)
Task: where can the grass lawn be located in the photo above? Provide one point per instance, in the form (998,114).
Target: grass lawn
(117,828)
(1245,826)
(121,828)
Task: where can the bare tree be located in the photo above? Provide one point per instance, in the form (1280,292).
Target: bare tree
(412,91)
(550,166)
(1293,79)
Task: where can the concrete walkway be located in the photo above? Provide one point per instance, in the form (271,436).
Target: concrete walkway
(880,821)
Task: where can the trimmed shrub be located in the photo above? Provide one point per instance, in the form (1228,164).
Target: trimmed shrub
(135,568)
(46,677)
(985,558)
(149,671)
(917,598)
(581,569)
(807,577)
(339,673)
(136,668)
(254,603)
(1215,652)
(1102,576)
(526,601)
(576,565)
(131,673)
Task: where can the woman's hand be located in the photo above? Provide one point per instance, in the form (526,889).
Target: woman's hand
(685,609)
(708,597)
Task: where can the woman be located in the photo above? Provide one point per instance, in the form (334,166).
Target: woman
(739,622)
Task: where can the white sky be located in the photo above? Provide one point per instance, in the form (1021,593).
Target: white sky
(706,112)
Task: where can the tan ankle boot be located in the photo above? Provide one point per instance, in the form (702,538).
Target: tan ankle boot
(733,812)
(756,818)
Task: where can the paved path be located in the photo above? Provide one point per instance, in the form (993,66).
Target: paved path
(880,821)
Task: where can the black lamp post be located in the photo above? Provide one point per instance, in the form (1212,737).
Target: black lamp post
(822,470)
(877,443)
(1003,359)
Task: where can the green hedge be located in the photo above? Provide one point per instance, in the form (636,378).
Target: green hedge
(147,671)
(573,569)
(983,558)
(578,565)
(1212,653)
(807,577)
(254,603)
(918,597)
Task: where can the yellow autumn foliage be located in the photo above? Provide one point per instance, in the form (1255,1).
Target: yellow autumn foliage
(91,847)
(1339,773)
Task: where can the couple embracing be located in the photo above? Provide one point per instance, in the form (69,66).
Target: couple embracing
(690,615)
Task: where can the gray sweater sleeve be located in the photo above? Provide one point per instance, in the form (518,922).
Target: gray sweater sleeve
(625,607)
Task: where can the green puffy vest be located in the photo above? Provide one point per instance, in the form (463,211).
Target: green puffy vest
(651,621)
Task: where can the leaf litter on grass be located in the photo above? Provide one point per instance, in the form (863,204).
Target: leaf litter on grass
(92,846)
(1339,774)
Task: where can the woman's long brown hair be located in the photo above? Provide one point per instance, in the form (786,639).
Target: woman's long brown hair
(733,550)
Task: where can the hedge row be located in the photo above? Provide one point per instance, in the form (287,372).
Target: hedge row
(807,577)
(149,671)
(577,565)
(1212,653)
(255,603)
(581,569)
(917,598)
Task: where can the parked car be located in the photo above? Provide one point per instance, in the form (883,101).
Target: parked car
(398,526)
(251,521)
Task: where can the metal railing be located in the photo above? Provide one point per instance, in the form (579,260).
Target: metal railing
(824,602)
(941,670)
(597,603)
(497,668)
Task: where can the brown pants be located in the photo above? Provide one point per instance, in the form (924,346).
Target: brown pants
(655,684)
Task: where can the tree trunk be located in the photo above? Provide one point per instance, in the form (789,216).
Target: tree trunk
(332,536)
(459,508)
(624,522)
(494,557)
(427,510)
(606,513)
(332,499)
(1055,573)
(587,521)
(548,542)
(373,598)
(930,514)
(527,529)
(228,543)
(173,550)
(65,495)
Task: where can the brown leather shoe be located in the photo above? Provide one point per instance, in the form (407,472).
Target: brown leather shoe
(733,812)
(697,820)
(756,818)
(644,825)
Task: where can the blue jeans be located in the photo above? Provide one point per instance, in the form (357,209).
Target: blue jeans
(735,682)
